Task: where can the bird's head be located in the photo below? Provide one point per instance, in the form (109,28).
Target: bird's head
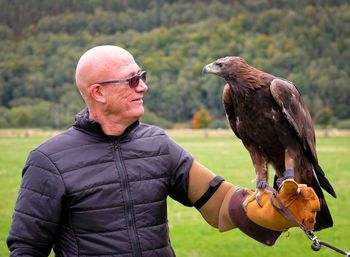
(227,67)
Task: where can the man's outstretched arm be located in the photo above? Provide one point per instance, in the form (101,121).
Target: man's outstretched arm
(228,208)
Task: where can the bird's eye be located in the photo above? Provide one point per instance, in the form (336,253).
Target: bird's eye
(219,64)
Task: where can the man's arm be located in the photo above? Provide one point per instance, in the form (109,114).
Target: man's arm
(228,208)
(38,208)
(214,211)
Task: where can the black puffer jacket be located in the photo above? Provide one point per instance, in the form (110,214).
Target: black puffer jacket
(86,194)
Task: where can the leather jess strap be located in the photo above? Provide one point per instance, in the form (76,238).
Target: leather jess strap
(288,215)
(213,186)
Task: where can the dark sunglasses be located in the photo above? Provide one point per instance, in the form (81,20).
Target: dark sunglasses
(133,81)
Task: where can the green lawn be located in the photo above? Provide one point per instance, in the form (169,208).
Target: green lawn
(190,235)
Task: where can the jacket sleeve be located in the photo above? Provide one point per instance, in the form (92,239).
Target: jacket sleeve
(38,208)
(180,165)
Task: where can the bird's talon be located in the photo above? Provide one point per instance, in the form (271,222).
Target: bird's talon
(258,201)
(254,197)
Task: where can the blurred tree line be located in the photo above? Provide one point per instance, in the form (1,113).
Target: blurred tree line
(305,41)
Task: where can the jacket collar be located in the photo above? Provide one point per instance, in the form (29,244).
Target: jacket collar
(82,122)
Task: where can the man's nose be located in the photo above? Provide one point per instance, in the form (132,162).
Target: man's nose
(141,87)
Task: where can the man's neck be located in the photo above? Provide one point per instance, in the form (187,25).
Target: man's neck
(111,125)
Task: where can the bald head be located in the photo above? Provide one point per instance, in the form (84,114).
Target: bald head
(99,64)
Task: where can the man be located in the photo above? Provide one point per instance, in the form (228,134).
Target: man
(100,187)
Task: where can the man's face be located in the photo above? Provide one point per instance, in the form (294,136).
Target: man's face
(123,102)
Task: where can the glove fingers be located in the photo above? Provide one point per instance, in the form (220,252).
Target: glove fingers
(288,189)
(308,193)
(315,205)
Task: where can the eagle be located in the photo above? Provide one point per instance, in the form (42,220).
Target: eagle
(268,114)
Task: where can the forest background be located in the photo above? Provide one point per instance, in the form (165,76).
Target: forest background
(304,41)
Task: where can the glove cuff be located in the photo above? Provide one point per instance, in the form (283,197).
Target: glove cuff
(241,220)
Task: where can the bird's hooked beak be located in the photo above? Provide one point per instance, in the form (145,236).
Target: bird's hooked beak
(211,68)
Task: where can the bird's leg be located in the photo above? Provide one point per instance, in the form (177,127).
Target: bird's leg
(261,171)
(289,159)
(261,182)
(289,163)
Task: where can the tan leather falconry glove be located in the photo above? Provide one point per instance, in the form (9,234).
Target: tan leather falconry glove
(228,208)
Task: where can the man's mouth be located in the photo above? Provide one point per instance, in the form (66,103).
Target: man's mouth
(137,100)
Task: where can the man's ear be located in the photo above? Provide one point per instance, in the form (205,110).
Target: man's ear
(97,93)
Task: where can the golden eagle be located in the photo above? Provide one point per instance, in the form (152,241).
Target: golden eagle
(268,114)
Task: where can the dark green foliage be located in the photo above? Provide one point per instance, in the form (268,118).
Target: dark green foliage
(304,41)
(323,117)
(151,118)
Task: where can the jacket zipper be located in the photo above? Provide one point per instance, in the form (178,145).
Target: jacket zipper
(128,206)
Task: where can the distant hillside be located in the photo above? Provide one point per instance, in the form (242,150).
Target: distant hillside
(307,42)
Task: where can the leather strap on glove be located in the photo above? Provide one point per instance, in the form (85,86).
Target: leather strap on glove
(262,221)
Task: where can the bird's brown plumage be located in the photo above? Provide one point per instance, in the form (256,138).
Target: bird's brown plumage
(268,114)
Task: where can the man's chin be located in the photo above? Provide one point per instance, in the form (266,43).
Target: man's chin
(140,113)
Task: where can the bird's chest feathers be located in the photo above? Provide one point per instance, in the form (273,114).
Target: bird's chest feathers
(255,112)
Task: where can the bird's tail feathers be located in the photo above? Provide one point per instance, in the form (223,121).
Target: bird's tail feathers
(323,217)
(323,181)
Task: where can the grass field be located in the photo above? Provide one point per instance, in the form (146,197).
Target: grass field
(224,155)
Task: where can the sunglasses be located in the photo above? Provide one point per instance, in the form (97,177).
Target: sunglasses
(133,81)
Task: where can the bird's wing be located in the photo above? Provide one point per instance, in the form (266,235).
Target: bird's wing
(295,111)
(227,99)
